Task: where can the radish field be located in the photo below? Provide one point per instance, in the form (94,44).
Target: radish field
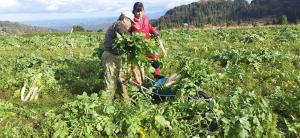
(51,86)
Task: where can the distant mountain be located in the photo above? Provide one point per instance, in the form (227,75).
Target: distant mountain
(231,12)
(93,24)
(17,28)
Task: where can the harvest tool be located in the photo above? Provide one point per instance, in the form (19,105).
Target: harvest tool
(161,46)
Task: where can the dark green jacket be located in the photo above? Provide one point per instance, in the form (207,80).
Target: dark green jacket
(111,35)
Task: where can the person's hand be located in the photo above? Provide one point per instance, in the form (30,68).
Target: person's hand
(157,35)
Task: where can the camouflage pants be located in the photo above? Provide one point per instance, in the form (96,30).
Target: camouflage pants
(114,76)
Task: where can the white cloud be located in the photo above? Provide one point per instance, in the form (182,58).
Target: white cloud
(63,9)
(63,6)
(41,9)
(52,8)
(8,3)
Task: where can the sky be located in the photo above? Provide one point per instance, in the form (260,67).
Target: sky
(33,10)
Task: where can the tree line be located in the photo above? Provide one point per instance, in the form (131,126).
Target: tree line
(231,12)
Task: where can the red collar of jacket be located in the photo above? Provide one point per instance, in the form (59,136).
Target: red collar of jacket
(136,19)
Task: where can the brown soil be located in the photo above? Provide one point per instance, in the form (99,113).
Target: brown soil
(3,95)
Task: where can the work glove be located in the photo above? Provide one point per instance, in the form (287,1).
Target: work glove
(156,36)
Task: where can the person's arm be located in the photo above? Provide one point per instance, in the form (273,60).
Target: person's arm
(120,29)
(152,29)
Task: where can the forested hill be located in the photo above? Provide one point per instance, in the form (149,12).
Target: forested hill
(235,12)
(17,28)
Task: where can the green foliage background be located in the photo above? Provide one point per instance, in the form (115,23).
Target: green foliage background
(253,75)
